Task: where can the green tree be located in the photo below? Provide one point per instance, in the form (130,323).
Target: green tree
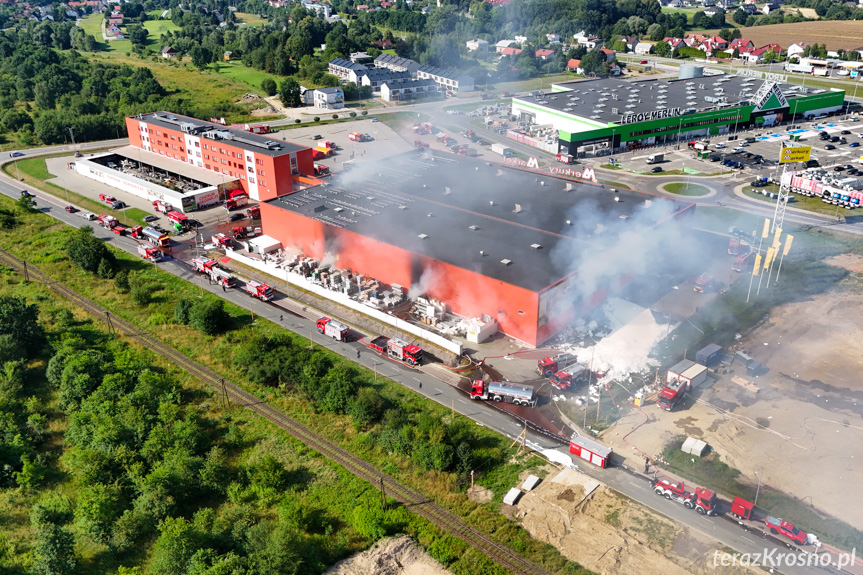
(121,281)
(21,322)
(53,551)
(181,311)
(464,458)
(86,250)
(98,509)
(739,17)
(365,408)
(268,473)
(662,49)
(53,508)
(268,85)
(289,93)
(215,475)
(209,316)
(137,34)
(178,540)
(26,204)
(201,56)
(105,270)
(368,523)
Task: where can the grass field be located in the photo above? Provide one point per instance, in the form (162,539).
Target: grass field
(249,19)
(685,189)
(158,27)
(834,33)
(92,24)
(238,72)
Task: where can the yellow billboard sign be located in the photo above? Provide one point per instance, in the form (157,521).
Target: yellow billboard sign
(796,154)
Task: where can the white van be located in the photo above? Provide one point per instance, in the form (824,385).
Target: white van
(89,216)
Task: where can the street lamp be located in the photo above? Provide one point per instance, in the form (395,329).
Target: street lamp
(759,473)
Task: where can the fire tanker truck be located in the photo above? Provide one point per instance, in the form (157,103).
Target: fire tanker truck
(213,271)
(500,391)
(702,500)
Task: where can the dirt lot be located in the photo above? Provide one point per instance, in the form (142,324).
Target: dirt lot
(592,525)
(395,556)
(804,414)
(835,34)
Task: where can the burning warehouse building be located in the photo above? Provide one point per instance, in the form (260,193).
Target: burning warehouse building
(531,250)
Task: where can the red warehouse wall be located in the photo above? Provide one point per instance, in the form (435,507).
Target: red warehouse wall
(305,234)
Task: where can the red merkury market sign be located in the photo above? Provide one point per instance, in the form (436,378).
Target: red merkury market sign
(533,163)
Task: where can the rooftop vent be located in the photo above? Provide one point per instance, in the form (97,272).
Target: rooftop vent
(473,228)
(536,246)
(423,236)
(506,262)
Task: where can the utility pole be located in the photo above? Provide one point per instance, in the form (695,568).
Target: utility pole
(72,134)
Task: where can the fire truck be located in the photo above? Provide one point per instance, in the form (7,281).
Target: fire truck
(565,159)
(703,500)
(179,220)
(742,263)
(254,212)
(332,328)
(107,222)
(162,206)
(563,379)
(213,271)
(500,391)
(548,366)
(156,237)
(321,170)
(241,233)
(259,290)
(236,199)
(222,241)
(150,253)
(137,232)
(357,137)
(397,349)
(672,393)
(704,283)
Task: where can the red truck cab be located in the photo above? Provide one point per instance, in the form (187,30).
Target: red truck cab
(671,394)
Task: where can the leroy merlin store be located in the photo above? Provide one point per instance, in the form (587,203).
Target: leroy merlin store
(592,117)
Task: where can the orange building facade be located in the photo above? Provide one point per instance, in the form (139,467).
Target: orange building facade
(265,167)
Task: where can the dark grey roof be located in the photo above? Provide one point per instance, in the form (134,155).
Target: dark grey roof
(342,63)
(334,90)
(216,132)
(464,207)
(595,99)
(388,60)
(444,73)
(383,75)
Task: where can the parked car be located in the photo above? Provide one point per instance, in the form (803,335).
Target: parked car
(236,216)
(854,145)
(738,150)
(77,154)
(744,144)
(149,219)
(760,184)
(779,527)
(839,169)
(719,145)
(643,62)
(714,158)
(107,199)
(71,209)
(655,169)
(118,205)
(829,147)
(845,132)
(834,139)
(316,137)
(843,141)
(16,154)
(374,119)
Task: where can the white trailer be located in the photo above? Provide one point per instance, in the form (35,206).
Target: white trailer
(504,151)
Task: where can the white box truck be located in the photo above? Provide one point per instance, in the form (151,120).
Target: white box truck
(655,158)
(504,151)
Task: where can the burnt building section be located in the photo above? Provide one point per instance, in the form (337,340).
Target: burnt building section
(516,246)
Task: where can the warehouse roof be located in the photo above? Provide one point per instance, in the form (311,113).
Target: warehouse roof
(217,132)
(504,223)
(607,100)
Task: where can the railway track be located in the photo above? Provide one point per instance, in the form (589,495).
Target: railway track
(419,503)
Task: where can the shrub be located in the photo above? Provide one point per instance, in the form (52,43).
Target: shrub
(105,270)
(297,121)
(335,116)
(87,251)
(353,114)
(121,281)
(181,311)
(317,118)
(209,316)
(364,112)
(268,85)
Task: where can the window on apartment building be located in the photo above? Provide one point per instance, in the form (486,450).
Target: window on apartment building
(206,156)
(207,166)
(197,144)
(251,180)
(223,161)
(221,150)
(261,173)
(174,146)
(248,158)
(224,171)
(251,170)
(172,137)
(198,154)
(181,149)
(262,182)
(261,162)
(205,146)
(175,157)
(159,142)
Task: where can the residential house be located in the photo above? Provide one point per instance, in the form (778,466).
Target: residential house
(574,66)
(708,3)
(714,10)
(383,44)
(360,58)
(676,4)
(329,98)
(502,44)
(609,54)
(477,45)
(552,38)
(675,43)
(770,7)
(406,89)
(750,9)
(115,32)
(346,69)
(375,77)
(742,46)
(589,41)
(321,9)
(630,41)
(397,64)
(543,53)
(228,55)
(426,9)
(511,52)
(168,53)
(520,39)
(115,20)
(796,50)
(446,79)
(643,48)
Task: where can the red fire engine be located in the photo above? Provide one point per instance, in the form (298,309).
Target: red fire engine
(333,329)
